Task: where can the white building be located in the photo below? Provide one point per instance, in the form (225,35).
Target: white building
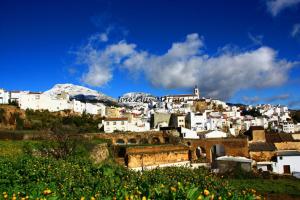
(216,134)
(288,127)
(183,97)
(115,124)
(4,97)
(95,109)
(189,134)
(38,101)
(15,95)
(287,162)
(196,121)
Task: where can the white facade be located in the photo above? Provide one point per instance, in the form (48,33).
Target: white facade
(37,101)
(216,134)
(115,124)
(95,109)
(189,134)
(287,162)
(196,122)
(4,97)
(15,95)
(288,127)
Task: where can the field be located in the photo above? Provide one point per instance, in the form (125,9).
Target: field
(28,175)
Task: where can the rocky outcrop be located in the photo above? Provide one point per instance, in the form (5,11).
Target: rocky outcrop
(99,153)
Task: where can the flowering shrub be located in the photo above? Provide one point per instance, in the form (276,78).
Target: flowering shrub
(29,177)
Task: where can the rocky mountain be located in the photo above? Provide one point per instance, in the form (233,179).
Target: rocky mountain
(80,93)
(137,97)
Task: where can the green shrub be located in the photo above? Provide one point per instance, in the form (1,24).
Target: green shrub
(46,177)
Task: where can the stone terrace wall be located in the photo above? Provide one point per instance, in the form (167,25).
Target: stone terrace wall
(156,155)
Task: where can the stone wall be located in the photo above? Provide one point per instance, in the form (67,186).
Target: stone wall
(258,136)
(288,145)
(262,155)
(232,146)
(155,155)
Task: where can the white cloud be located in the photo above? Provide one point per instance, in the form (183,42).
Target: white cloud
(185,64)
(100,62)
(271,99)
(296,30)
(276,6)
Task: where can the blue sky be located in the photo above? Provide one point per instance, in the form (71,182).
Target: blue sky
(238,51)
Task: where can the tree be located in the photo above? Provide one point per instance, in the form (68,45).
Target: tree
(63,141)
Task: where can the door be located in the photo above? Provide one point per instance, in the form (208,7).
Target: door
(286,169)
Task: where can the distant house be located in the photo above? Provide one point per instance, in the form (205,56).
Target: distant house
(177,120)
(115,124)
(182,97)
(288,127)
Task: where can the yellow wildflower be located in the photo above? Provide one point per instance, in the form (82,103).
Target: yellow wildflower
(173,189)
(47,191)
(200,197)
(206,192)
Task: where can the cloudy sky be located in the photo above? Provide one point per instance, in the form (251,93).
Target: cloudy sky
(236,51)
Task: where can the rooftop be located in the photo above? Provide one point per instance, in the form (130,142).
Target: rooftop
(261,146)
(288,153)
(116,119)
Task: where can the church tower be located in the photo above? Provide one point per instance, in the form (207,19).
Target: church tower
(196,91)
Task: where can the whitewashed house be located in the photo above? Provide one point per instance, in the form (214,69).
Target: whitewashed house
(38,101)
(287,162)
(28,100)
(288,127)
(4,97)
(95,109)
(14,96)
(115,124)
(189,134)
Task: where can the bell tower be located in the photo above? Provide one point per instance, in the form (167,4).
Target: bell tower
(196,91)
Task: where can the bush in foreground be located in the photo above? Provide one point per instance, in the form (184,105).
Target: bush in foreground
(29,177)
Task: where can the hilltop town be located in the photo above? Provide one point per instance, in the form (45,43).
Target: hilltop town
(193,129)
(195,115)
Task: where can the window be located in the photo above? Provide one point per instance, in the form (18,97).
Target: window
(107,123)
(280,157)
(122,122)
(114,123)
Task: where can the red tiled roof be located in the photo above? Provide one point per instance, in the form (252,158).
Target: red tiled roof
(257,128)
(116,119)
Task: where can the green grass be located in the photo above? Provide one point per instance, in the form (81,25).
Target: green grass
(289,186)
(11,148)
(77,176)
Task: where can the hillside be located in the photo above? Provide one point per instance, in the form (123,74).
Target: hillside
(11,117)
